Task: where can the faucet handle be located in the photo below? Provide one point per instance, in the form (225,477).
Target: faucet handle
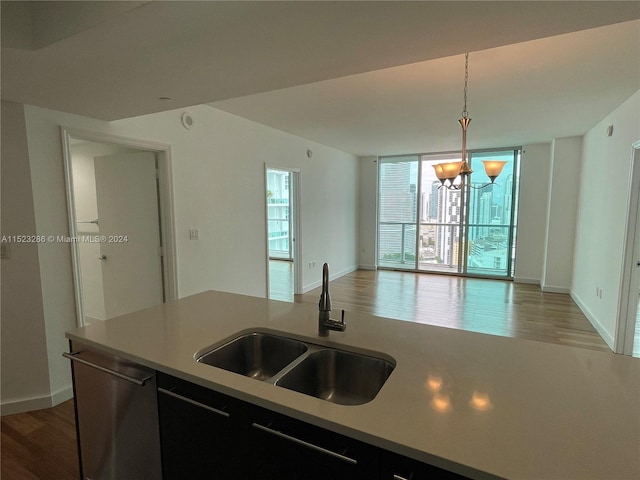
(342,319)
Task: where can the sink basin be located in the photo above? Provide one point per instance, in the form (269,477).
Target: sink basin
(257,355)
(338,376)
(331,374)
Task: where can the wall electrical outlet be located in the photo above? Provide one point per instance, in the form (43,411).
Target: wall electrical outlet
(194,234)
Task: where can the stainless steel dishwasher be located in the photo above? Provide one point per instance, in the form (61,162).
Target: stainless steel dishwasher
(116,417)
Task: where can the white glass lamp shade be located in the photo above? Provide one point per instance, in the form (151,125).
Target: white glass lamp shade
(439,172)
(493,168)
(451,170)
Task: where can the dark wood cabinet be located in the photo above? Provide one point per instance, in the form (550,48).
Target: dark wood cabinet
(208,435)
(398,467)
(286,449)
(202,432)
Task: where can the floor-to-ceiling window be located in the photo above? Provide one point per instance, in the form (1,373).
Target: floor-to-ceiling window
(423,226)
(397,212)
(491,217)
(440,217)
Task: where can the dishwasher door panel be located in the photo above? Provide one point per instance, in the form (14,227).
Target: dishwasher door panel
(117,418)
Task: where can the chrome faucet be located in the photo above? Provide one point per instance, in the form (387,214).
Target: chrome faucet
(325,323)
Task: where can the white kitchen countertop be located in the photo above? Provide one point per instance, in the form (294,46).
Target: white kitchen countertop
(476,404)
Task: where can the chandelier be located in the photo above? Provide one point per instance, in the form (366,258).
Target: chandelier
(451,170)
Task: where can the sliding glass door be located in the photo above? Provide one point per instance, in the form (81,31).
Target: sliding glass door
(439,242)
(397,212)
(491,216)
(423,226)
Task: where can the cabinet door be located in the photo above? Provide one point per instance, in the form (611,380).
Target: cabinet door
(198,432)
(286,449)
(397,467)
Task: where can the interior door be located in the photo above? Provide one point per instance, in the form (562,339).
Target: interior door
(627,339)
(130,244)
(283,222)
(632,334)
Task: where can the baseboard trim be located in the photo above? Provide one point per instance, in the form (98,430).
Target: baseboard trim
(606,336)
(553,289)
(332,276)
(367,267)
(29,404)
(311,286)
(344,272)
(533,281)
(88,319)
(61,395)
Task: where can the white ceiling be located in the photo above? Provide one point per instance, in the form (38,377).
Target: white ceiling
(365,77)
(518,94)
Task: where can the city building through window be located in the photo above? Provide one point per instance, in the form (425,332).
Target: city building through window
(423,226)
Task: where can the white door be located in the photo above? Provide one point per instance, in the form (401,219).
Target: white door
(127,197)
(629,345)
(632,333)
(627,339)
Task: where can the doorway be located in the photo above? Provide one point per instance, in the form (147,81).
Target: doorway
(282,194)
(627,339)
(119,224)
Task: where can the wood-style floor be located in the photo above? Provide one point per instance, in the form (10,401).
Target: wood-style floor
(41,445)
(281,280)
(487,306)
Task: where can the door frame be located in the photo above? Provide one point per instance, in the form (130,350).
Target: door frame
(295,214)
(165,192)
(628,302)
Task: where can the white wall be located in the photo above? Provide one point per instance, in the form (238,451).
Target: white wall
(218,173)
(218,180)
(602,216)
(562,203)
(24,364)
(532,212)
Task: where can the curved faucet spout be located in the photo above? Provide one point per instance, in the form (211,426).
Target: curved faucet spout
(325,323)
(325,298)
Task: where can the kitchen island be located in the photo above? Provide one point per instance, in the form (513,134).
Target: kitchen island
(478,405)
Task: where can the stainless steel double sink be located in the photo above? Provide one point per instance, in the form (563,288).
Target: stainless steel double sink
(332,374)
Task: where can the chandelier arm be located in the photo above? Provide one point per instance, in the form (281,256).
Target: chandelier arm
(484,186)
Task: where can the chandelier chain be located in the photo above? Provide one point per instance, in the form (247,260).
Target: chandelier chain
(449,171)
(465,113)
